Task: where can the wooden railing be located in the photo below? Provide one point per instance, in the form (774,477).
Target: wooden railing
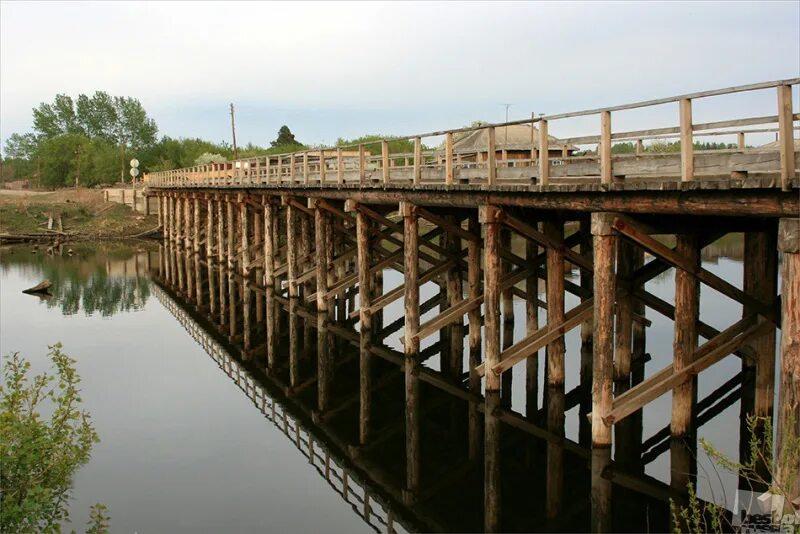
(356,166)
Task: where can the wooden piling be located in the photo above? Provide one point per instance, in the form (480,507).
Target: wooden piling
(231,238)
(587,340)
(603,368)
(209,228)
(411,344)
(292,232)
(324,364)
(489,216)
(683,444)
(365,321)
(760,281)
(554,229)
(789,415)
(474,341)
(196,230)
(507,301)
(531,325)
(244,230)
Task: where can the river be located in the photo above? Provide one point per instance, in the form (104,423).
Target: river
(198,439)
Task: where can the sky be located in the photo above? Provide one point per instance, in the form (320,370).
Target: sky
(332,70)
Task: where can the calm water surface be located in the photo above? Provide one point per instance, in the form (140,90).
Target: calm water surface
(187,448)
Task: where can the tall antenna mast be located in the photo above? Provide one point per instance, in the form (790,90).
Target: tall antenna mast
(233,132)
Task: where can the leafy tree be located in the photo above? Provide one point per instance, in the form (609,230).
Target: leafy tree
(50,120)
(21,146)
(39,455)
(208,157)
(285,139)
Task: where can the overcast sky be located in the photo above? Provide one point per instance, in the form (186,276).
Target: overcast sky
(345,69)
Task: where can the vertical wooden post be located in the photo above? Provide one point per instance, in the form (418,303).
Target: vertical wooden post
(554,228)
(507,335)
(187,224)
(279,170)
(786,136)
(587,341)
(491,157)
(417,160)
(684,397)
(411,345)
(231,239)
(639,147)
(455,292)
(209,228)
(303,264)
(789,416)
(474,320)
(322,168)
(245,235)
(269,243)
(602,368)
(448,158)
(687,142)
(292,172)
(385,160)
(623,351)
(758,376)
(196,230)
(531,325)
(364,302)
(292,232)
(740,141)
(305,168)
(220,230)
(362,165)
(339,167)
(606,176)
(544,153)
(489,216)
(323,354)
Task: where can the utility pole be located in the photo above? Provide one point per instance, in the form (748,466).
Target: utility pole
(505,128)
(233,131)
(78,175)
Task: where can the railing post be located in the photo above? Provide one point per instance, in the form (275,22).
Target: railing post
(544,153)
(417,160)
(339,169)
(491,157)
(305,167)
(321,167)
(385,160)
(687,144)
(639,147)
(362,165)
(278,165)
(785,135)
(605,147)
(740,140)
(291,168)
(448,158)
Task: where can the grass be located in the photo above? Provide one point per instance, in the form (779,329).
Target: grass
(83,212)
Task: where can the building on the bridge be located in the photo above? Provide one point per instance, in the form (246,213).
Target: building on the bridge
(513,142)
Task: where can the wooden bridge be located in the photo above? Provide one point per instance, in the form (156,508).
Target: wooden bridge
(317,231)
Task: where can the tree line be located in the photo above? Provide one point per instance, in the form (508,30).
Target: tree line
(89,140)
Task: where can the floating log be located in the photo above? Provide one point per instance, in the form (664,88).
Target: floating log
(42,288)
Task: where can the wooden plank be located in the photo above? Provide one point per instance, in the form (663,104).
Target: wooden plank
(687,142)
(533,234)
(417,160)
(448,159)
(544,154)
(453,313)
(786,136)
(603,367)
(491,159)
(538,339)
(606,175)
(448,226)
(707,355)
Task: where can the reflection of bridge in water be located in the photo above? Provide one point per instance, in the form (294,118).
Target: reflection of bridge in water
(309,241)
(227,318)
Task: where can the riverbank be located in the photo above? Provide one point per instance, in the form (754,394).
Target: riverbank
(83,215)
